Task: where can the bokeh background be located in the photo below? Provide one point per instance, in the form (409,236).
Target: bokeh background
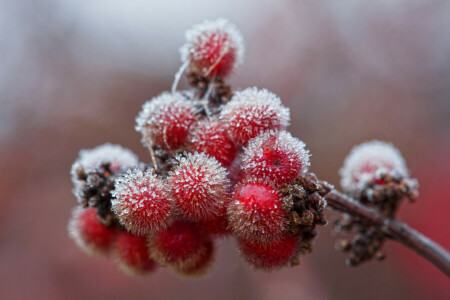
(74,74)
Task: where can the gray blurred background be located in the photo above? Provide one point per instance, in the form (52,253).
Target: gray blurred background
(74,74)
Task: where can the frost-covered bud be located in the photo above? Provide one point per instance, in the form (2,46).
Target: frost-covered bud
(133,254)
(251,112)
(181,246)
(210,137)
(271,256)
(116,156)
(199,186)
(256,213)
(142,202)
(275,156)
(165,120)
(201,266)
(368,160)
(213,48)
(88,233)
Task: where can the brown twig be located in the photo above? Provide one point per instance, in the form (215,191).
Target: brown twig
(394,229)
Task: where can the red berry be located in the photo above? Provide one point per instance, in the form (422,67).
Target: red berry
(182,245)
(210,137)
(201,266)
(219,225)
(199,186)
(142,202)
(270,256)
(275,156)
(251,112)
(256,213)
(214,48)
(133,254)
(88,233)
(166,120)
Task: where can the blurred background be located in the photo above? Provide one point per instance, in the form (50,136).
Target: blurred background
(74,74)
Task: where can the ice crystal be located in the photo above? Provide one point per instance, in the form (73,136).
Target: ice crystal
(141,202)
(368,160)
(253,111)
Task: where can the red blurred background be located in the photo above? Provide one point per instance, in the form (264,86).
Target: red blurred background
(74,74)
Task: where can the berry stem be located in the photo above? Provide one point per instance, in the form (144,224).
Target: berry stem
(394,229)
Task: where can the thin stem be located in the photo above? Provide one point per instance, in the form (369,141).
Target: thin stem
(394,229)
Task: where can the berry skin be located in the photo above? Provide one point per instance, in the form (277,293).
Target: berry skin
(210,137)
(88,233)
(256,213)
(141,202)
(275,156)
(213,48)
(201,267)
(270,256)
(367,160)
(251,112)
(219,225)
(181,246)
(199,186)
(133,255)
(166,120)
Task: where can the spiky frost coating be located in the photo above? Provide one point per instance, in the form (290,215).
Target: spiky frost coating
(133,255)
(251,112)
(201,267)
(369,159)
(256,213)
(166,120)
(215,47)
(141,202)
(210,137)
(88,233)
(272,256)
(181,246)
(116,156)
(199,186)
(275,156)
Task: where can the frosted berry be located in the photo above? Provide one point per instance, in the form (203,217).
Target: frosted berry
(133,255)
(275,156)
(213,48)
(217,226)
(367,160)
(165,120)
(210,137)
(256,213)
(141,202)
(88,233)
(199,186)
(181,246)
(251,112)
(271,256)
(201,266)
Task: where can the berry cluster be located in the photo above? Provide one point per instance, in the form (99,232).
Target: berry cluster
(222,164)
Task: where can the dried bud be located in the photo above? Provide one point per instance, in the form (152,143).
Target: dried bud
(251,112)
(275,156)
(141,202)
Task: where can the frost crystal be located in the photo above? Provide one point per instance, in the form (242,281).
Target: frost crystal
(217,47)
(367,161)
(141,202)
(199,186)
(276,156)
(165,120)
(253,111)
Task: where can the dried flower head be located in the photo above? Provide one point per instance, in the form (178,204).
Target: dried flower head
(88,233)
(256,213)
(214,48)
(251,112)
(199,186)
(368,160)
(166,120)
(275,156)
(141,202)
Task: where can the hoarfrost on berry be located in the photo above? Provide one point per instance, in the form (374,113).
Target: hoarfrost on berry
(368,160)
(141,202)
(275,156)
(251,112)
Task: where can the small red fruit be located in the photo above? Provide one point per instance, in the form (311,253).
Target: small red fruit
(201,267)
